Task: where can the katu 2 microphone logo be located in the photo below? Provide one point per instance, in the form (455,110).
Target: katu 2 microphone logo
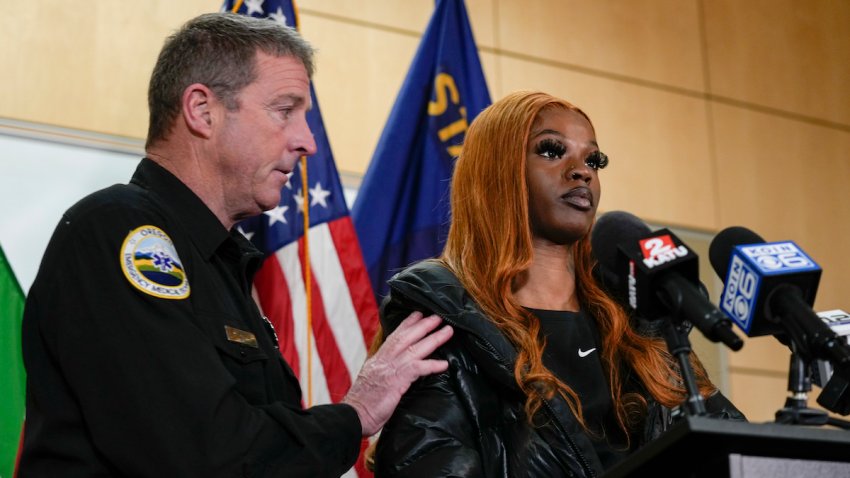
(660,250)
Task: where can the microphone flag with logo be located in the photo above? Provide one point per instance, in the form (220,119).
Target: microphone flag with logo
(839,322)
(754,266)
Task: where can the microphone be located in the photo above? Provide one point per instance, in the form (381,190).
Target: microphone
(769,288)
(760,277)
(656,274)
(839,322)
(834,383)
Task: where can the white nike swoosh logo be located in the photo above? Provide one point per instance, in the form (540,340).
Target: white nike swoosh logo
(585,353)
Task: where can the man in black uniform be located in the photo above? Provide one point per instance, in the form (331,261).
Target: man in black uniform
(145,352)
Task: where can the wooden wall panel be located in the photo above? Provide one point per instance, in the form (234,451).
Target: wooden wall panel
(765,354)
(651,40)
(356,94)
(410,15)
(85,68)
(759,396)
(786,180)
(407,15)
(785,54)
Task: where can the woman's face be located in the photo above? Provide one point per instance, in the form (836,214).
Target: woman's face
(563,183)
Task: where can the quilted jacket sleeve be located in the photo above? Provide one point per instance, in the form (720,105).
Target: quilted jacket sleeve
(431,433)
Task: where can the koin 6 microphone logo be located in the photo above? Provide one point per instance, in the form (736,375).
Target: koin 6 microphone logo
(748,268)
(779,257)
(739,292)
(660,250)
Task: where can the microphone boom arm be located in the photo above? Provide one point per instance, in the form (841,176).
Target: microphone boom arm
(713,323)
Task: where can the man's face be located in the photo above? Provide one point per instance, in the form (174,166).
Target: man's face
(262,140)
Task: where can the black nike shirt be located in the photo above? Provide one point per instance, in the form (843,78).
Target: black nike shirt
(572,353)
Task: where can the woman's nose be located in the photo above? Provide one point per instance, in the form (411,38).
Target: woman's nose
(579,172)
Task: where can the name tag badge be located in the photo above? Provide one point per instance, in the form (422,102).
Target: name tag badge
(241,336)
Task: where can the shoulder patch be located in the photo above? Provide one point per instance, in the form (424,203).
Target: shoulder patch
(149,261)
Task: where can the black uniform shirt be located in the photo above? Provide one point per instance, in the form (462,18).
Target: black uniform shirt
(147,356)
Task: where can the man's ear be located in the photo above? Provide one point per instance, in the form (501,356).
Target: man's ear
(197,103)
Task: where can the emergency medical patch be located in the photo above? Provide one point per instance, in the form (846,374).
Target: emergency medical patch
(149,261)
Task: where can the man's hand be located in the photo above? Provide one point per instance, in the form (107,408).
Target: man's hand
(385,376)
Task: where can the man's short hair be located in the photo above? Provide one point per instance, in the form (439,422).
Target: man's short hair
(219,51)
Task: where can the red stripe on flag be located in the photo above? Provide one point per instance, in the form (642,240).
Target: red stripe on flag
(360,466)
(351,260)
(336,371)
(21,449)
(273,293)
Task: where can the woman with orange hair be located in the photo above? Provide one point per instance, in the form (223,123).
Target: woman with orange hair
(547,374)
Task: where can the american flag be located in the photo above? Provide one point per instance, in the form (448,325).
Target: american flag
(325,342)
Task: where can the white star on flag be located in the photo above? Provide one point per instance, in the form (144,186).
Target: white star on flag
(299,200)
(319,195)
(276,215)
(254,6)
(248,235)
(278,16)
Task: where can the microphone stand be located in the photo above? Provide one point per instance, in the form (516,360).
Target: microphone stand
(796,410)
(676,336)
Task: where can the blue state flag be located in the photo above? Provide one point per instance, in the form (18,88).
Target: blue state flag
(401,213)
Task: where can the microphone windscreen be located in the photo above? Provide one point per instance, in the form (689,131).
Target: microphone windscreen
(610,230)
(720,249)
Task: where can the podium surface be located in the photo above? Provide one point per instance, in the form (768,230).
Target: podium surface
(705,447)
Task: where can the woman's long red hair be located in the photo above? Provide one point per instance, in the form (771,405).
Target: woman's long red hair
(489,247)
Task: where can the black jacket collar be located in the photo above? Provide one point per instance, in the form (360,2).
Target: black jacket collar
(203,227)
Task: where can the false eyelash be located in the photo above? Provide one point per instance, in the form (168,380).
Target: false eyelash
(597,160)
(550,148)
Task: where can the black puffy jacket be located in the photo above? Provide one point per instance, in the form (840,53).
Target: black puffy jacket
(469,421)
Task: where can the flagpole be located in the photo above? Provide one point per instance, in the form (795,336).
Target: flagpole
(295,21)
(307,280)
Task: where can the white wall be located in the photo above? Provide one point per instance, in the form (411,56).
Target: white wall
(39,180)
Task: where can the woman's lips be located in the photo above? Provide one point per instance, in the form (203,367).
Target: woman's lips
(579,198)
